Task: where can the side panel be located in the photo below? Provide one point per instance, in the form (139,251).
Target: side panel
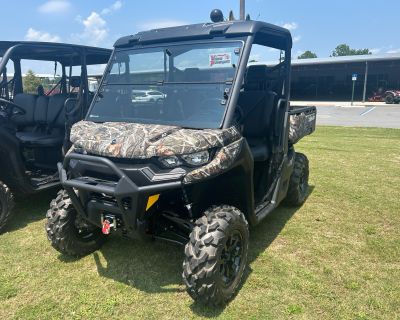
(234,187)
(11,164)
(285,176)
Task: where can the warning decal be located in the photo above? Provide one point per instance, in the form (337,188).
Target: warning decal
(220,58)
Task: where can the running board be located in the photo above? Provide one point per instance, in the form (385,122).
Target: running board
(42,182)
(263,210)
(266,207)
(47,186)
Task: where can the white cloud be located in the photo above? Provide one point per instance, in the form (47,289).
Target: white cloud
(296,39)
(114,7)
(95,29)
(385,49)
(393,51)
(290,26)
(55,6)
(158,24)
(36,35)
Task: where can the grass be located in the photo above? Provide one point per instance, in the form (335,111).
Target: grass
(336,257)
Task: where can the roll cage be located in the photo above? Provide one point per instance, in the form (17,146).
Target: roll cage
(68,55)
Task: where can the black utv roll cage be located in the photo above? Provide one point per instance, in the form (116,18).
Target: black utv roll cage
(68,55)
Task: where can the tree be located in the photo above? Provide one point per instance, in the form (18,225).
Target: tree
(31,82)
(345,50)
(307,55)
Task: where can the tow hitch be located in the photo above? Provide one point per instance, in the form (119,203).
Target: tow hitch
(108,222)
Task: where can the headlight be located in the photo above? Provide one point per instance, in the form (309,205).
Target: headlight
(193,159)
(197,159)
(170,162)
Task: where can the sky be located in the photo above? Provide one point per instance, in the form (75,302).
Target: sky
(316,25)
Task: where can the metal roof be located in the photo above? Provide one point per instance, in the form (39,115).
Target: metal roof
(51,51)
(347,59)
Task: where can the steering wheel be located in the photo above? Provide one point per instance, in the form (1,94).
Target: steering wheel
(10,108)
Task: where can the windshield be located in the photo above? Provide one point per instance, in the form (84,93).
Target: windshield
(182,85)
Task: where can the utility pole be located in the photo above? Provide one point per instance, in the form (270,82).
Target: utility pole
(242,9)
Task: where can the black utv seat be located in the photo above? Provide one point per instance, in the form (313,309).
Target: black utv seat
(257,103)
(43,124)
(38,139)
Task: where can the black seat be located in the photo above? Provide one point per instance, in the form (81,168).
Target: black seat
(256,103)
(40,139)
(27,101)
(44,123)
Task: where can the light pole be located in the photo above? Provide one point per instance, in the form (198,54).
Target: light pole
(242,9)
(365,81)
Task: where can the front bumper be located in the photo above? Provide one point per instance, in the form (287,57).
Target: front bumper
(130,199)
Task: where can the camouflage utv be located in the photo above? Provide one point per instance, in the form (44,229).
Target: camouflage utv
(213,155)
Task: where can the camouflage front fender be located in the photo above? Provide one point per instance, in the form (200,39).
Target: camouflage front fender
(223,159)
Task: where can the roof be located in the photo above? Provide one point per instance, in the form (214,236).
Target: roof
(50,51)
(346,59)
(279,36)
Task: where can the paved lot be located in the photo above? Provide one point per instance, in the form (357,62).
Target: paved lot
(370,116)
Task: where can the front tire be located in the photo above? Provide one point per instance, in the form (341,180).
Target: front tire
(216,255)
(67,232)
(298,184)
(6,205)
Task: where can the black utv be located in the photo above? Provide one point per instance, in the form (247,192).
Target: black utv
(35,122)
(213,155)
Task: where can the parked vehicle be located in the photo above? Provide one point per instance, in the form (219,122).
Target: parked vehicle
(215,157)
(389,96)
(35,126)
(392,96)
(147,96)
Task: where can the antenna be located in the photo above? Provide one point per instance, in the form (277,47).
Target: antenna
(242,9)
(231,16)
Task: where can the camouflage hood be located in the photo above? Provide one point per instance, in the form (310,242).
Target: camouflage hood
(142,141)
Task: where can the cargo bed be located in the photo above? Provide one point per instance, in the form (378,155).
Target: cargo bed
(302,122)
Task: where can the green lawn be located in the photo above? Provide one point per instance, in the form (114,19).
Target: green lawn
(337,257)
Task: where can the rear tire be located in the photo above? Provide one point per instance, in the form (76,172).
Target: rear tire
(67,233)
(389,99)
(298,184)
(6,205)
(216,255)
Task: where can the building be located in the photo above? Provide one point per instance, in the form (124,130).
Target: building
(330,79)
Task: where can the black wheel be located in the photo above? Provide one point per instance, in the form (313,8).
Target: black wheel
(298,184)
(216,255)
(6,205)
(389,99)
(67,232)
